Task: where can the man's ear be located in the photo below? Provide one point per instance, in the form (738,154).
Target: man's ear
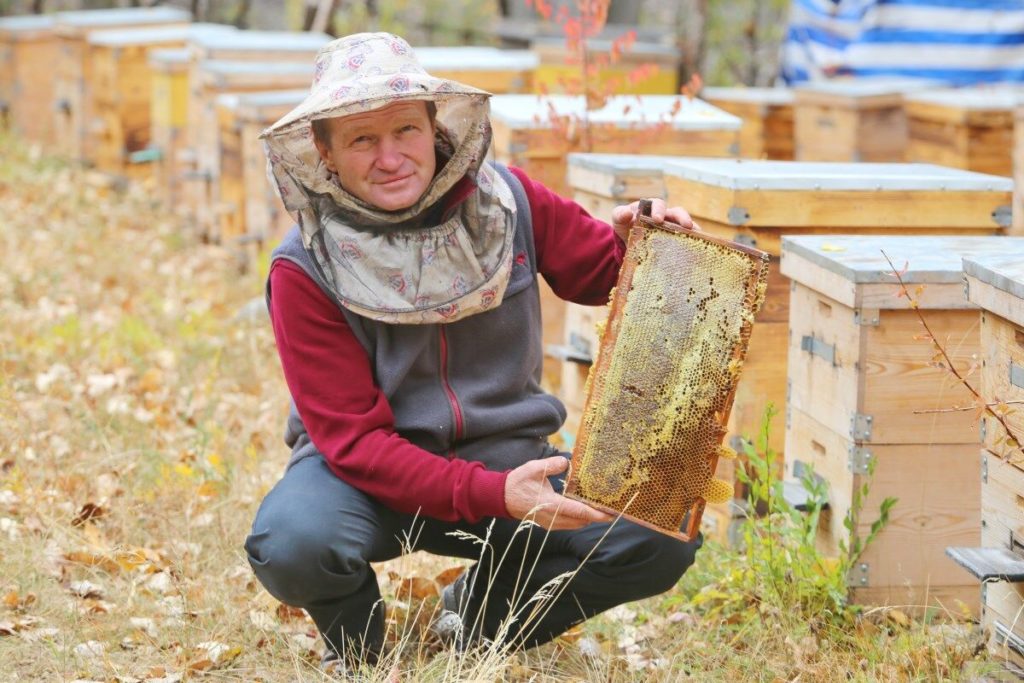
(325,153)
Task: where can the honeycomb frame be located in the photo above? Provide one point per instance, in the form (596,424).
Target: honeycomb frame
(656,411)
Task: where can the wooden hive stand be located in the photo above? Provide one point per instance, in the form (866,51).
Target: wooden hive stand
(968,128)
(28,52)
(767,114)
(488,68)
(560,72)
(246,61)
(74,85)
(757,202)
(123,86)
(853,119)
(867,405)
(252,216)
(995,283)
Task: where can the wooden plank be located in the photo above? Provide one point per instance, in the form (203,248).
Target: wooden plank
(938,503)
(989,564)
(762,381)
(883,211)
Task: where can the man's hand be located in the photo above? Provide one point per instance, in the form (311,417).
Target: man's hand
(528,495)
(623,216)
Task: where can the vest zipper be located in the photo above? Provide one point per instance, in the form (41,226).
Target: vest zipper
(452,399)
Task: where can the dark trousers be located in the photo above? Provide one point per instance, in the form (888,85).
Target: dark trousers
(315,536)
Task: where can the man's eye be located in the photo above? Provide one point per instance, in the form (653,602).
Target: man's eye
(362,140)
(408,127)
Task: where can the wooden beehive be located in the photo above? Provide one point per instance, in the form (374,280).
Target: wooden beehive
(537,133)
(169,102)
(995,284)
(73,87)
(968,128)
(488,68)
(28,51)
(251,214)
(215,78)
(1018,171)
(643,68)
(867,405)
(767,115)
(853,119)
(756,202)
(123,83)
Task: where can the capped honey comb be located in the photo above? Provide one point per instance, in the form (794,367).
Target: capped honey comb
(660,391)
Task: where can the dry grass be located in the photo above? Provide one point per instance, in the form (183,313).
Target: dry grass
(140,423)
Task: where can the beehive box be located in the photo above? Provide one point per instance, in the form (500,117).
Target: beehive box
(767,115)
(168,116)
(215,78)
(73,86)
(537,133)
(968,128)
(599,183)
(251,214)
(853,119)
(864,392)
(28,51)
(995,283)
(122,87)
(643,68)
(758,201)
(1018,171)
(488,68)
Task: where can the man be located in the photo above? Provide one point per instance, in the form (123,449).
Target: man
(407,319)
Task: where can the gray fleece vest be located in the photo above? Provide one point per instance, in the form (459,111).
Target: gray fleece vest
(481,373)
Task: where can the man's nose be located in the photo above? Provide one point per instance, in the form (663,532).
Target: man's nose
(389,154)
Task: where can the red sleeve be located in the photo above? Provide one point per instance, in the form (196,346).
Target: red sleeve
(577,254)
(349,419)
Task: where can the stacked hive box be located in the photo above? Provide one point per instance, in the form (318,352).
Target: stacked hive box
(123,85)
(853,120)
(642,69)
(245,61)
(251,213)
(488,68)
(537,134)
(969,128)
(767,114)
(995,283)
(28,52)
(74,85)
(217,78)
(169,69)
(868,406)
(758,201)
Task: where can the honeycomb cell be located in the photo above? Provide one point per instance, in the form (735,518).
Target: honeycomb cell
(660,391)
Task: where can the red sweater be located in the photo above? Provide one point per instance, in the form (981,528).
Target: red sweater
(351,422)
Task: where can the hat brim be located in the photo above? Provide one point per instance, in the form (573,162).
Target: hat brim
(370,94)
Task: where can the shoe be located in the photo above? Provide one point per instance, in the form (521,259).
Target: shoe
(448,625)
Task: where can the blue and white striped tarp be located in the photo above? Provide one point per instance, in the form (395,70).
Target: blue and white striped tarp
(957,41)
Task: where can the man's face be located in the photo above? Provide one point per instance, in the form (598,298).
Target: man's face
(384,157)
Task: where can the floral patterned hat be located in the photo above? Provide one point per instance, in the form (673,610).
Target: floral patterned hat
(395,266)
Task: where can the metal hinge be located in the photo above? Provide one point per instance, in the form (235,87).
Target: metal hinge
(1003,216)
(984,468)
(789,415)
(967,289)
(817,347)
(982,430)
(617,189)
(866,317)
(859,575)
(738,215)
(860,427)
(1017,376)
(858,460)
(745,239)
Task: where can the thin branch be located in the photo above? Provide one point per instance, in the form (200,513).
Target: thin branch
(958,409)
(949,362)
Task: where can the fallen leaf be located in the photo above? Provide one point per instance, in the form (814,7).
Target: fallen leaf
(828,246)
(85,589)
(89,649)
(448,576)
(417,588)
(88,512)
